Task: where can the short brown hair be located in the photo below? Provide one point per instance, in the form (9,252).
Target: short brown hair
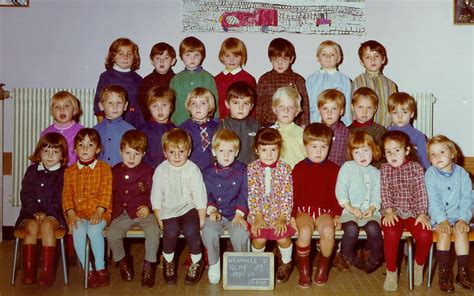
(91,133)
(268,136)
(280,47)
(114,49)
(372,45)
(160,93)
(365,92)
(113,89)
(50,140)
(401,99)
(441,139)
(317,132)
(191,43)
(73,100)
(204,93)
(234,46)
(240,90)
(134,139)
(160,48)
(176,137)
(225,135)
(359,139)
(404,140)
(331,95)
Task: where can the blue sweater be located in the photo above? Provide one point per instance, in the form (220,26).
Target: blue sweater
(111,132)
(154,131)
(202,158)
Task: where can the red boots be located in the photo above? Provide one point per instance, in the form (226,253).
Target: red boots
(29,264)
(48,275)
(304,266)
(321,276)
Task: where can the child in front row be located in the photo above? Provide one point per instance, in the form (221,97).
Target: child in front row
(226,184)
(315,209)
(121,64)
(87,202)
(41,212)
(162,58)
(178,198)
(331,107)
(65,109)
(286,104)
(192,52)
(240,101)
(358,192)
(132,180)
(329,56)
(404,205)
(270,200)
(160,103)
(233,55)
(282,55)
(450,201)
(373,57)
(402,108)
(113,102)
(201,106)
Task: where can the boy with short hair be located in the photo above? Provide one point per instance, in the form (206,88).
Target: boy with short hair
(402,108)
(113,102)
(282,55)
(331,107)
(132,182)
(192,52)
(240,101)
(162,58)
(286,104)
(373,57)
(227,192)
(160,103)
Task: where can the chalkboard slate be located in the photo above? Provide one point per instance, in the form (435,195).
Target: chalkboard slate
(248,271)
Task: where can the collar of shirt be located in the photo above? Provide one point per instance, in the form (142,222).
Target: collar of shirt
(91,165)
(115,120)
(197,69)
(373,74)
(233,72)
(329,71)
(308,161)
(355,123)
(272,166)
(117,68)
(55,167)
(284,128)
(446,174)
(63,127)
(219,169)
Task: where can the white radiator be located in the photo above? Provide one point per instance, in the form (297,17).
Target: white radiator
(424,112)
(31,108)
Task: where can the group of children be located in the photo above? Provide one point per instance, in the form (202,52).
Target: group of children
(305,160)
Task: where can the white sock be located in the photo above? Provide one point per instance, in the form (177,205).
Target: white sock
(196,257)
(214,273)
(168,257)
(258,250)
(286,253)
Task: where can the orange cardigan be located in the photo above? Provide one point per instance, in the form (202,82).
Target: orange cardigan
(86,189)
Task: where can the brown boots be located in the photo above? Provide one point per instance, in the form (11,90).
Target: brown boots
(321,276)
(126,269)
(464,279)
(29,264)
(48,269)
(148,274)
(446,280)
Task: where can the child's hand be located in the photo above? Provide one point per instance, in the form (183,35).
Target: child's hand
(293,224)
(97,216)
(143,211)
(239,221)
(257,225)
(280,227)
(215,216)
(424,220)
(202,217)
(157,216)
(356,212)
(461,226)
(337,224)
(389,218)
(72,220)
(39,216)
(444,227)
(368,213)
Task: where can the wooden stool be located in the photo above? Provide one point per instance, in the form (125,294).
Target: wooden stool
(20,235)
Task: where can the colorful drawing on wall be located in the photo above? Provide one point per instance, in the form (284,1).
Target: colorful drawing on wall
(14,3)
(464,12)
(324,17)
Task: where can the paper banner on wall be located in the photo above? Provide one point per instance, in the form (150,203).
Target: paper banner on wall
(329,17)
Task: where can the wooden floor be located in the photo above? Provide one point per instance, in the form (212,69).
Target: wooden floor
(353,282)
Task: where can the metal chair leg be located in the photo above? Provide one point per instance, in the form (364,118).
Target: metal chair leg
(430,266)
(17,242)
(86,264)
(63,255)
(410,263)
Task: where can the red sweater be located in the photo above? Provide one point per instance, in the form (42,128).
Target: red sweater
(223,82)
(314,185)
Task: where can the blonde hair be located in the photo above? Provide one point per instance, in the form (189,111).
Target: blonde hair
(359,139)
(441,139)
(331,95)
(317,132)
(176,137)
(234,46)
(201,92)
(333,44)
(287,92)
(65,95)
(225,136)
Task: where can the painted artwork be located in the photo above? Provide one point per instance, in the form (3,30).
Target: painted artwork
(463,12)
(14,3)
(329,17)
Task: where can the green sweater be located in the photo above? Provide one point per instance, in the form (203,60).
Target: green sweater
(183,83)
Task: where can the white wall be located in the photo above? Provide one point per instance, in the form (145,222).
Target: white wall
(52,44)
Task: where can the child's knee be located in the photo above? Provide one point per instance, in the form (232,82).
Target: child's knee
(31,227)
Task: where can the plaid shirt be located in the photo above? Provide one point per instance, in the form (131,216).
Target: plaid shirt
(338,151)
(88,187)
(403,189)
(267,86)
